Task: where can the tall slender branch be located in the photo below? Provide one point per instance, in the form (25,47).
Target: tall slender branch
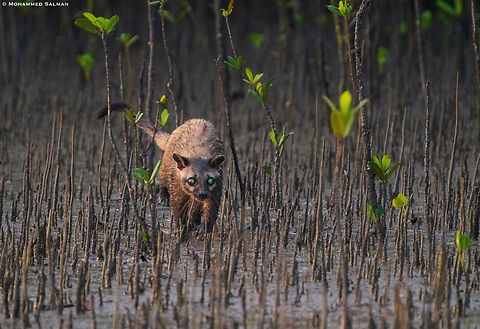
(365,125)
(223,76)
(170,69)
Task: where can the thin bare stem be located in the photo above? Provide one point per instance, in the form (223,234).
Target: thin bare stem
(170,69)
(224,84)
(150,61)
(365,126)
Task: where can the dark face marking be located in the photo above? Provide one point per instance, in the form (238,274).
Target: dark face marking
(199,177)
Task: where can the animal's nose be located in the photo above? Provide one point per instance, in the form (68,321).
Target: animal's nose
(202,195)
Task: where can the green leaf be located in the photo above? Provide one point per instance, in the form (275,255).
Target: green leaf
(255,95)
(376,161)
(164,117)
(363,102)
(273,137)
(376,170)
(379,211)
(337,123)
(458,4)
(345,102)
(130,116)
(234,62)
(385,162)
(249,74)
(284,138)
(257,77)
(141,175)
(86,25)
(371,214)
(382,56)
(329,103)
(445,7)
(399,201)
(138,116)
(144,236)
(155,171)
(426,19)
(257,39)
(267,169)
(334,10)
(91,17)
(85,60)
(462,241)
(109,24)
(228,11)
(403,28)
(127,40)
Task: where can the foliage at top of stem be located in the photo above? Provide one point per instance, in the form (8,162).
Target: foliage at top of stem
(97,25)
(382,169)
(454,10)
(259,89)
(344,8)
(144,177)
(462,241)
(228,11)
(127,39)
(342,118)
(87,62)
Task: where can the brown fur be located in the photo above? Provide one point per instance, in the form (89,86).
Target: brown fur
(190,175)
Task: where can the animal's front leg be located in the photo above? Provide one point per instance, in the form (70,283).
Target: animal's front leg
(209,217)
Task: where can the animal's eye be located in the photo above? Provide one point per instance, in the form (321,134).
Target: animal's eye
(210,181)
(191,181)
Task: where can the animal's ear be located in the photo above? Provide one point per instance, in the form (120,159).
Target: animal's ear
(216,161)
(181,161)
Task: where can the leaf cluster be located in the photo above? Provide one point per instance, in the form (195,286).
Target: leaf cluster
(165,113)
(234,62)
(228,11)
(144,177)
(342,119)
(382,169)
(374,214)
(344,8)
(97,25)
(462,241)
(281,141)
(87,62)
(402,202)
(133,118)
(127,40)
(454,9)
(259,89)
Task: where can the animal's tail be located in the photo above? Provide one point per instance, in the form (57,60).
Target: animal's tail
(160,137)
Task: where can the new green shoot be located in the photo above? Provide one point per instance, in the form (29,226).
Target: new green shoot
(87,62)
(342,118)
(382,169)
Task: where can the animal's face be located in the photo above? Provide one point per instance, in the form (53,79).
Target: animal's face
(199,177)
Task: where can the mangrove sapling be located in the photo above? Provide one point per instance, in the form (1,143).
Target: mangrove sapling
(101,27)
(403,203)
(383,171)
(170,82)
(259,91)
(462,243)
(341,123)
(223,75)
(86,62)
(344,10)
